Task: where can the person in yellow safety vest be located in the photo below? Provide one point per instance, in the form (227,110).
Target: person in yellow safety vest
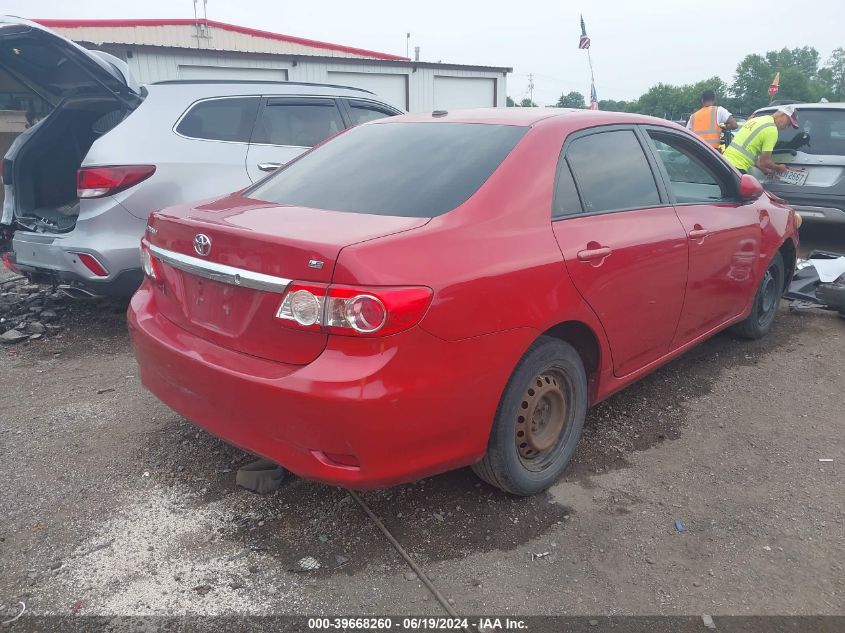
(754,142)
(707,122)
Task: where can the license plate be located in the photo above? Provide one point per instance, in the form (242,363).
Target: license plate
(795,177)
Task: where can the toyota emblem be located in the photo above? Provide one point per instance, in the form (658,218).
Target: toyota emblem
(202,244)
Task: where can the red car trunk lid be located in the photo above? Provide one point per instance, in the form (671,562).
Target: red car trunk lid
(283,243)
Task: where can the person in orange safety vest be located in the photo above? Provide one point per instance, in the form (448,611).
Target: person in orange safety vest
(709,120)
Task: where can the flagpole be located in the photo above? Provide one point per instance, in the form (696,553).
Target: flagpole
(590,60)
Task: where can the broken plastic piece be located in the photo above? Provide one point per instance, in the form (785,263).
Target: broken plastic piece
(261,476)
(679,526)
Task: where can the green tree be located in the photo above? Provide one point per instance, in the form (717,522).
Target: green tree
(511,103)
(800,77)
(611,105)
(527,103)
(833,76)
(571,100)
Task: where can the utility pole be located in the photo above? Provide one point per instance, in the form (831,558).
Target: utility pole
(408,45)
(531,87)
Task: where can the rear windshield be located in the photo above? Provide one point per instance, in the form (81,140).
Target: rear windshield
(819,132)
(401,169)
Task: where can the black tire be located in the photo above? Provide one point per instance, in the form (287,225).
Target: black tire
(551,377)
(766,302)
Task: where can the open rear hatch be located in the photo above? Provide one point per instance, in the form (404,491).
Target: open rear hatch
(230,295)
(55,68)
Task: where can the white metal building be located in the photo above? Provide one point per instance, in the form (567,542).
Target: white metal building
(157,50)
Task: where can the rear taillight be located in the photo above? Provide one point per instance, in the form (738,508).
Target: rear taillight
(148,262)
(96,182)
(353,311)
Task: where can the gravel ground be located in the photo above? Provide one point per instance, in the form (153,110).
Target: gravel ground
(114,505)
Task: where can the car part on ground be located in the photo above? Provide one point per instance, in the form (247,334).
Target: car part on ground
(458,294)
(80,184)
(819,281)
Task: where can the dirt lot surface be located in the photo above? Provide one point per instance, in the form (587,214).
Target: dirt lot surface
(113,504)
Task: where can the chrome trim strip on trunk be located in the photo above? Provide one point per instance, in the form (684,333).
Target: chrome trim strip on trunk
(221,272)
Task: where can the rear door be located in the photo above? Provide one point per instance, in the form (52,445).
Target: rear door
(724,234)
(288,126)
(624,247)
(220,128)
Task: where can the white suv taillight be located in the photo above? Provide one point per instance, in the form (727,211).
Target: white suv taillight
(96,182)
(349,310)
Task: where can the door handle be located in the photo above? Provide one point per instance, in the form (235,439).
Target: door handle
(269,166)
(698,234)
(592,254)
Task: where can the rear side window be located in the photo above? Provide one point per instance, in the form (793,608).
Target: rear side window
(566,201)
(820,132)
(220,119)
(612,172)
(297,123)
(401,169)
(363,112)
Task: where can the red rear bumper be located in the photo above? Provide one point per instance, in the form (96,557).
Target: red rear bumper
(406,406)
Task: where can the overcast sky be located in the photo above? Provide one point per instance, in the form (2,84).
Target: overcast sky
(636,43)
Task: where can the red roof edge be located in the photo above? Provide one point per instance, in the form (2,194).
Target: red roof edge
(61,23)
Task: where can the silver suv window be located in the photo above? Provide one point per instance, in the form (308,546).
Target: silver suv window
(297,122)
(819,132)
(224,119)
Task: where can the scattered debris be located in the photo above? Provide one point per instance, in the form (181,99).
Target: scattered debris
(708,622)
(307,563)
(23,608)
(97,548)
(261,476)
(825,459)
(340,560)
(819,281)
(679,526)
(102,391)
(202,589)
(594,622)
(650,560)
(767,548)
(13,336)
(76,607)
(540,555)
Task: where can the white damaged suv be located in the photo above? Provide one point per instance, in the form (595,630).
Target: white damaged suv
(80,184)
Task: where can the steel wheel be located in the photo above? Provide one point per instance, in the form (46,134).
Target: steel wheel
(541,423)
(768,298)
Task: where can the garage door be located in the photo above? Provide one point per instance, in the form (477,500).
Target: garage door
(232,72)
(451,93)
(390,88)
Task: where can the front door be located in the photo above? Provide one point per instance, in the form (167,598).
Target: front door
(288,126)
(625,249)
(724,234)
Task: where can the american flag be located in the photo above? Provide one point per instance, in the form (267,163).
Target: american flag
(594,102)
(584,42)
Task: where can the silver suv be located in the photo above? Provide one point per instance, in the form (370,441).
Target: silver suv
(815,154)
(80,183)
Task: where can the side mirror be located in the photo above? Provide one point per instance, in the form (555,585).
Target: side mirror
(749,187)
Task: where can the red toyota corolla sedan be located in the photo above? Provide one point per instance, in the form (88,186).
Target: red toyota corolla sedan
(433,291)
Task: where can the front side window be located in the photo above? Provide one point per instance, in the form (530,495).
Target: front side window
(220,119)
(820,132)
(612,172)
(690,180)
(401,169)
(300,124)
